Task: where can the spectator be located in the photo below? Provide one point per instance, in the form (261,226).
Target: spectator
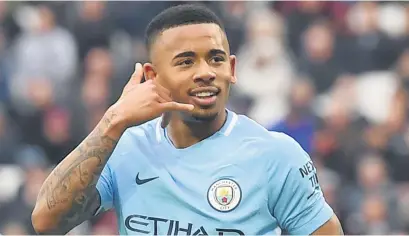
(263,60)
(92,28)
(303,13)
(8,137)
(41,45)
(4,70)
(34,163)
(300,122)
(317,60)
(94,93)
(373,199)
(367,48)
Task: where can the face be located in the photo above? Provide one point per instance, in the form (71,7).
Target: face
(195,64)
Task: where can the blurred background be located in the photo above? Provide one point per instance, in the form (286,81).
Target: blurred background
(333,75)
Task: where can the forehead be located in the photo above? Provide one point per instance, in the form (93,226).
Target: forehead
(197,38)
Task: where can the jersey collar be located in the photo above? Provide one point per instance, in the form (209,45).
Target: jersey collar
(225,130)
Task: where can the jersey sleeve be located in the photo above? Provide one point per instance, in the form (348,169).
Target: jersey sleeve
(105,190)
(300,207)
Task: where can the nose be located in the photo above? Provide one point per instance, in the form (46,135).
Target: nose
(204,73)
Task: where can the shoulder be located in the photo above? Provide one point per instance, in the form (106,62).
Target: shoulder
(134,142)
(287,145)
(281,151)
(287,154)
(272,140)
(145,132)
(246,127)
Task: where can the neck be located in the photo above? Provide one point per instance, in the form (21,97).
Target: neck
(184,133)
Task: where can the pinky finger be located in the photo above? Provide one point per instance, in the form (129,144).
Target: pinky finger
(174,106)
(160,99)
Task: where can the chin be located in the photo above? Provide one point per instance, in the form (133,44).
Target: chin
(203,115)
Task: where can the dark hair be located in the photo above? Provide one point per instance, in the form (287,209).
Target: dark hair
(185,14)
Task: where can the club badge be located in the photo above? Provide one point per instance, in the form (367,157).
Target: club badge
(224,195)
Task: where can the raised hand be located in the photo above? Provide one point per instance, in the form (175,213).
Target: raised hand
(141,102)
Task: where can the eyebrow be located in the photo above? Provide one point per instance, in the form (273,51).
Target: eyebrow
(192,54)
(185,54)
(217,51)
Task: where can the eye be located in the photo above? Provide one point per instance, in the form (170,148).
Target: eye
(217,59)
(186,62)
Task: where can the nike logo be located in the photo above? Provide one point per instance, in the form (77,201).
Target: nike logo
(143,181)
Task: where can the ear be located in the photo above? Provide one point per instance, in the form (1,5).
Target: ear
(149,71)
(233,69)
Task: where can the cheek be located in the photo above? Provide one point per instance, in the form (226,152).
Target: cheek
(177,85)
(169,79)
(225,75)
(178,91)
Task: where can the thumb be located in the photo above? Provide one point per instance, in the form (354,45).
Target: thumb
(137,74)
(175,106)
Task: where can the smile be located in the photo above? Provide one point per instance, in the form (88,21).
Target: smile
(205,96)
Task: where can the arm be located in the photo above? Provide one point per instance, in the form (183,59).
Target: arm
(299,204)
(69,195)
(331,227)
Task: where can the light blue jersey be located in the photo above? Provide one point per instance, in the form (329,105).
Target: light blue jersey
(243,180)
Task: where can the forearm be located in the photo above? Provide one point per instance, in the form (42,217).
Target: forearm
(69,195)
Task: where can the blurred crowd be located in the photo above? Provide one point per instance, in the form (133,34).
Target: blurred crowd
(333,75)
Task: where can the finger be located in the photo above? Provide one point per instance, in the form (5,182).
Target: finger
(165,119)
(160,99)
(163,93)
(137,74)
(175,106)
(162,88)
(127,90)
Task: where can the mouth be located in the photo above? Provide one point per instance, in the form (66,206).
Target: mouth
(205,96)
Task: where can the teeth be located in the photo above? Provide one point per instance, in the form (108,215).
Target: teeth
(204,94)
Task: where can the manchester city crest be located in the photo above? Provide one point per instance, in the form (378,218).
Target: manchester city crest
(224,195)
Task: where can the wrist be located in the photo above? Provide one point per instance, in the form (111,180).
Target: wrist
(114,124)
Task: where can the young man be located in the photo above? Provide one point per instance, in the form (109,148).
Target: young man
(170,159)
